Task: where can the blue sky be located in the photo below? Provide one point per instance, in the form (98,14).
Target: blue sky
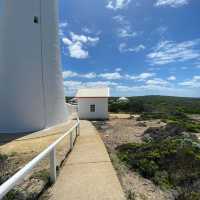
(136,47)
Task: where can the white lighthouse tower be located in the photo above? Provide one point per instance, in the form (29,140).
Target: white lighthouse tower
(31,83)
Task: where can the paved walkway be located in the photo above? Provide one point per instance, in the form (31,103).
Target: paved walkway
(88,173)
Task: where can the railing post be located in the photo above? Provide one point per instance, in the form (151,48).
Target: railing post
(53,165)
(78,130)
(71,140)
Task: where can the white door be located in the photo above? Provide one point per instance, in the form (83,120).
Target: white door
(21,72)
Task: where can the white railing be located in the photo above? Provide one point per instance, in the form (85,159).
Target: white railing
(49,151)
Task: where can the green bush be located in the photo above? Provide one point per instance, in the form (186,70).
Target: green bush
(172,162)
(159,104)
(3,158)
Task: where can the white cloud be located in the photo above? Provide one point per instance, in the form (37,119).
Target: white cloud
(71,87)
(118,69)
(194,82)
(171,3)
(140,77)
(154,86)
(139,48)
(123,48)
(116,75)
(124,30)
(100,83)
(76,49)
(171,78)
(86,30)
(111,76)
(132,90)
(61,33)
(77,45)
(89,75)
(161,30)
(120,19)
(70,74)
(157,82)
(62,25)
(168,52)
(117,4)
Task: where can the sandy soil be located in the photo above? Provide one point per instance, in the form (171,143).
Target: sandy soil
(195,117)
(118,131)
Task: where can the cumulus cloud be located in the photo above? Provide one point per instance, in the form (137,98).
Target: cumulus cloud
(157,82)
(89,75)
(111,76)
(124,48)
(151,86)
(71,74)
(130,90)
(67,74)
(141,77)
(194,82)
(118,69)
(169,52)
(62,25)
(171,3)
(117,4)
(116,75)
(71,87)
(171,78)
(77,45)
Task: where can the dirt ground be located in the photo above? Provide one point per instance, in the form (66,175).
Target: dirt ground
(123,130)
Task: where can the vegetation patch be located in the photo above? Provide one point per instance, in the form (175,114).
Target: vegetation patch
(3,158)
(42,175)
(168,109)
(172,161)
(3,165)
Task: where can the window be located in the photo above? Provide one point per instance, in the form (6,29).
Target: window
(92,108)
(36,20)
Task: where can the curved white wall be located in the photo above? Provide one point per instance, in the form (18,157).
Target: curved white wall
(31,84)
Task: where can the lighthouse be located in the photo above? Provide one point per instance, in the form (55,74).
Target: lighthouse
(31,83)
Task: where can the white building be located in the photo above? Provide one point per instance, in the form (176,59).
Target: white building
(31,83)
(123,99)
(93,103)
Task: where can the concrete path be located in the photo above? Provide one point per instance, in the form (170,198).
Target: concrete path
(88,173)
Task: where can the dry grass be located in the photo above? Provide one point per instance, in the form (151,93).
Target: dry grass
(21,150)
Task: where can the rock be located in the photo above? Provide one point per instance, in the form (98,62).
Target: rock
(157,133)
(141,124)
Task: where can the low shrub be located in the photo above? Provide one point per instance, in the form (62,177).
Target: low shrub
(171,163)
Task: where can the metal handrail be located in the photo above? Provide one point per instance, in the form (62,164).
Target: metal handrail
(51,151)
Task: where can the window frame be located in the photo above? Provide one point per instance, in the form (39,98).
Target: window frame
(92,108)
